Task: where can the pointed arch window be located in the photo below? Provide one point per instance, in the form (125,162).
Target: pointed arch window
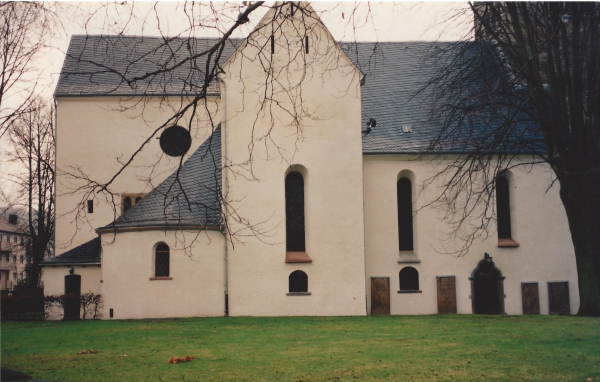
(294,212)
(162,261)
(405,215)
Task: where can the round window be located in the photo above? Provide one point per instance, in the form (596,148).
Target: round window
(175,141)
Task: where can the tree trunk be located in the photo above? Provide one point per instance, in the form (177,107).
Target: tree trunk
(33,272)
(580,195)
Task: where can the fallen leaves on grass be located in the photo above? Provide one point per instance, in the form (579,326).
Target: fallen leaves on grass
(91,351)
(187,358)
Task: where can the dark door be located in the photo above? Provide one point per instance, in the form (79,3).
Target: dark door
(73,291)
(446,294)
(558,295)
(380,295)
(487,288)
(486,295)
(531,298)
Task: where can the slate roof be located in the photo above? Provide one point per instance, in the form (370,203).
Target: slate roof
(188,198)
(93,61)
(85,254)
(396,73)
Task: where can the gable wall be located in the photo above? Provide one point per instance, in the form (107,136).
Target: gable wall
(97,135)
(323,143)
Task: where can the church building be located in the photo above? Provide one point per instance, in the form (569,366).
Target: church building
(304,190)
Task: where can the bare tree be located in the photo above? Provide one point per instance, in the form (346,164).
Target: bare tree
(32,139)
(26,29)
(525,91)
(194,69)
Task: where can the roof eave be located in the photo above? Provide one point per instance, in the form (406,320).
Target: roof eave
(157,227)
(215,94)
(68,263)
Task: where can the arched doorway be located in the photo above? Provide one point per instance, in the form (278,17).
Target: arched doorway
(487,288)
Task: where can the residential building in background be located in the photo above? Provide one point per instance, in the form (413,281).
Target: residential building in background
(14,249)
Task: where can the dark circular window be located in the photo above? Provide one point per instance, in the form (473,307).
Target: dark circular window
(175,141)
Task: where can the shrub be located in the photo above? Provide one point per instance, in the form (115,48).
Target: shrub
(93,303)
(22,307)
(89,304)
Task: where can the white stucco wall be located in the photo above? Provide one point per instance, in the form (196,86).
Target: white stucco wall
(539,225)
(313,126)
(97,135)
(53,279)
(196,268)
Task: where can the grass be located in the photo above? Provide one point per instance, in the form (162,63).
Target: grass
(441,348)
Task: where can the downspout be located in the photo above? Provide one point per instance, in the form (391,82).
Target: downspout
(362,157)
(224,193)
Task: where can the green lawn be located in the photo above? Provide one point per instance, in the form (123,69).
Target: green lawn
(447,347)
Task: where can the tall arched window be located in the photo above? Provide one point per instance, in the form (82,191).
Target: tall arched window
(405,216)
(298,282)
(161,261)
(409,279)
(294,212)
(503,207)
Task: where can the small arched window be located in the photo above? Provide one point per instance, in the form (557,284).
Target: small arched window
(161,261)
(294,212)
(409,279)
(503,207)
(126,203)
(405,215)
(298,282)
